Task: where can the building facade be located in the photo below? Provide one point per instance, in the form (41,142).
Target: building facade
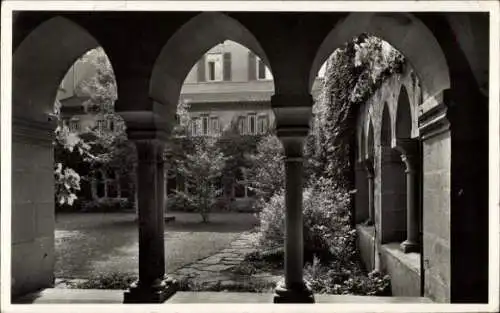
(230,86)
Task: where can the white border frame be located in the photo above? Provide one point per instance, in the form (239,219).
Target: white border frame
(318,6)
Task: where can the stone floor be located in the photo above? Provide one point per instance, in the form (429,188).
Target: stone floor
(95,296)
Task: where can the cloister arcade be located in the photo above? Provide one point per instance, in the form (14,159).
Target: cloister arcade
(417,182)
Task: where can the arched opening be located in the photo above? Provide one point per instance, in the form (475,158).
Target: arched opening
(197,37)
(39,64)
(411,157)
(404,115)
(361,176)
(223,108)
(396,29)
(392,186)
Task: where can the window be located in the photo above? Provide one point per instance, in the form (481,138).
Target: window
(194,127)
(101,125)
(262,124)
(204,125)
(262,71)
(214,67)
(74,125)
(241,125)
(111,125)
(251,123)
(214,125)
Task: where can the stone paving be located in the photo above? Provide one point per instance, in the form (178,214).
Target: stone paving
(215,271)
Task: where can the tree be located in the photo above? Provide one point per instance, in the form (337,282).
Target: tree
(79,155)
(268,168)
(202,170)
(69,150)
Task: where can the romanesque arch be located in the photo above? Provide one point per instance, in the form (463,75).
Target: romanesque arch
(39,64)
(186,46)
(403,31)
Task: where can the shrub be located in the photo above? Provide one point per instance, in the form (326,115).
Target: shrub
(114,280)
(335,278)
(327,231)
(107,205)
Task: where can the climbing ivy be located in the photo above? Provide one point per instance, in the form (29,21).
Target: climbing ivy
(353,74)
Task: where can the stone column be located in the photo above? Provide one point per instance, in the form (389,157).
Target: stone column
(152,287)
(370,176)
(292,129)
(409,156)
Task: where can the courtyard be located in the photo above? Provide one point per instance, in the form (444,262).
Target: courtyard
(350,148)
(99,243)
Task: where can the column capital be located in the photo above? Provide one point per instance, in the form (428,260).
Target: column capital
(409,153)
(293,113)
(145,125)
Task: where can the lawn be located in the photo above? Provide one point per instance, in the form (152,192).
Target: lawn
(91,243)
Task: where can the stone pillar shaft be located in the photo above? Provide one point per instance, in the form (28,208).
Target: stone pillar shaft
(371,190)
(409,156)
(411,243)
(151,243)
(293,112)
(294,239)
(152,287)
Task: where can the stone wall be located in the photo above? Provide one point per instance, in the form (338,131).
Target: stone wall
(436,216)
(32,215)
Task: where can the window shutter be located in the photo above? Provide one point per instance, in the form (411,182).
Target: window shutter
(252,75)
(201,69)
(227,67)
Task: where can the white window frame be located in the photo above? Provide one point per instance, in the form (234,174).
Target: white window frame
(74,125)
(214,125)
(267,72)
(252,117)
(218,60)
(242,125)
(194,127)
(262,121)
(101,125)
(205,130)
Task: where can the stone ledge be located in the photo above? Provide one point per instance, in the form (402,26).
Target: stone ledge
(410,260)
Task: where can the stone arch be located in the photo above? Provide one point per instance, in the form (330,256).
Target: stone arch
(404,117)
(403,31)
(361,136)
(370,141)
(385,126)
(187,45)
(40,62)
(392,185)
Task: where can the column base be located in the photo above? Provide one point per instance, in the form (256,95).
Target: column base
(159,292)
(298,294)
(409,246)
